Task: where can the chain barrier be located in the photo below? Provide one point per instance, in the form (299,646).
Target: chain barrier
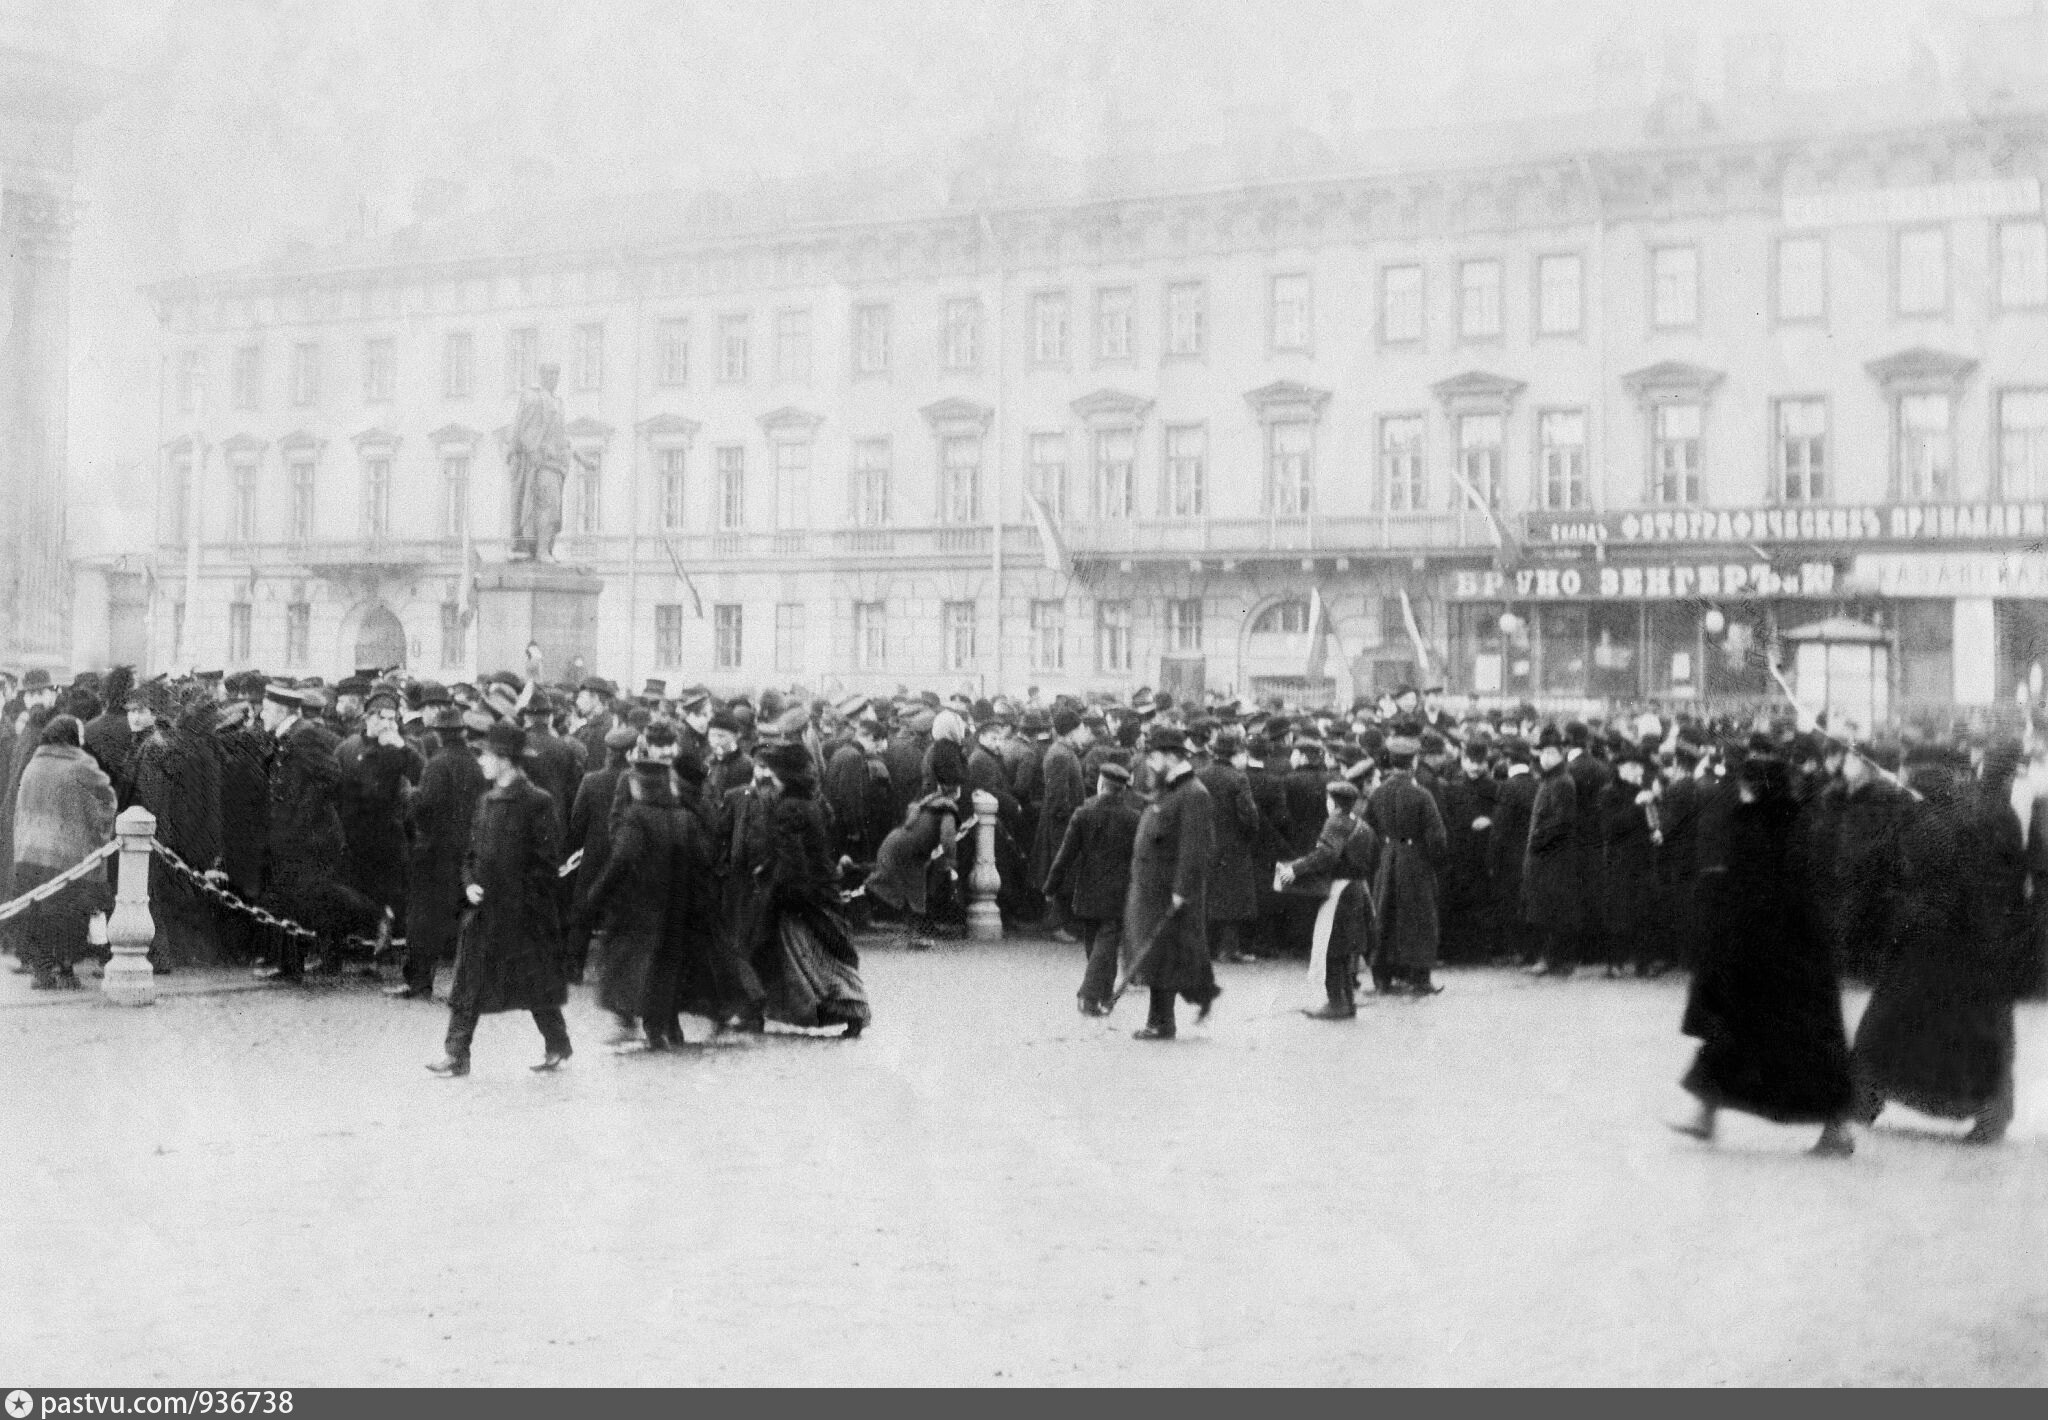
(63,880)
(200,882)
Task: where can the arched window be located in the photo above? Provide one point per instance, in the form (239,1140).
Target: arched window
(1282,619)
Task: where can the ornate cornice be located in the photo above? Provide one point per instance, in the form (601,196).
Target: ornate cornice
(1285,400)
(380,439)
(958,416)
(1108,407)
(669,430)
(301,441)
(1921,368)
(1476,392)
(792,423)
(1671,380)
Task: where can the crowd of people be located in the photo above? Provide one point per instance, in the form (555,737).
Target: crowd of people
(716,857)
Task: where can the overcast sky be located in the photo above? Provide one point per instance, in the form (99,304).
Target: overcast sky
(244,122)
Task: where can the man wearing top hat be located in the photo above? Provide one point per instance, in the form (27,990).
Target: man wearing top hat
(1166,913)
(1554,890)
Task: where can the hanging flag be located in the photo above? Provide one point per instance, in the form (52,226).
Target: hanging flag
(472,574)
(696,602)
(1056,558)
(1422,655)
(1507,551)
(1318,634)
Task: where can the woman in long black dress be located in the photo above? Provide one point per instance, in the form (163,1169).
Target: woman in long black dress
(802,949)
(1765,1003)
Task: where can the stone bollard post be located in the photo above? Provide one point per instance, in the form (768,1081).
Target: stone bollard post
(984,918)
(130,980)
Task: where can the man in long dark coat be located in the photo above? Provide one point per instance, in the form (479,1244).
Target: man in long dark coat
(1166,913)
(553,764)
(1306,778)
(1233,884)
(593,709)
(439,813)
(859,793)
(1590,776)
(1553,889)
(245,752)
(1061,793)
(305,853)
(1507,849)
(510,958)
(1090,879)
(1466,796)
(107,736)
(592,818)
(376,770)
(1678,812)
(1267,779)
(1412,846)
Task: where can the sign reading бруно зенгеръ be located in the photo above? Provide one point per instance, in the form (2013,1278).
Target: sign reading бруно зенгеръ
(1654,582)
(1902,522)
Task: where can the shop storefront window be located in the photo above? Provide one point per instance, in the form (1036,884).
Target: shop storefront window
(1561,634)
(2022,643)
(1614,636)
(1672,636)
(1926,653)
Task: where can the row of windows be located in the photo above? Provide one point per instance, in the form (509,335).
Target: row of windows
(1921,286)
(1924,466)
(959,635)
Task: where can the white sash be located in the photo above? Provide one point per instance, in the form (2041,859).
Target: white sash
(1319,949)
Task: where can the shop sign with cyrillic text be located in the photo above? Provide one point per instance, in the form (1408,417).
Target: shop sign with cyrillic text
(1732,581)
(1939,522)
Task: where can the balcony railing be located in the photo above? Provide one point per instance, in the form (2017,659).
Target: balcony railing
(1337,533)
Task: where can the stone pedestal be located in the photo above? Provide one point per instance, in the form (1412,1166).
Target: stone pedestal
(518,603)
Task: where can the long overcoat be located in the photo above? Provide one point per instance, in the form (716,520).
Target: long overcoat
(510,958)
(439,814)
(1061,794)
(245,752)
(1233,868)
(1176,840)
(630,896)
(1276,831)
(1552,888)
(1629,895)
(1090,876)
(1507,847)
(1413,843)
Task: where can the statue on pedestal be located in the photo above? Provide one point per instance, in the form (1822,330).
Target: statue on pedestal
(537,461)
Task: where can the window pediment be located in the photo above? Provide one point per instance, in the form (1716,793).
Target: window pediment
(790,423)
(958,416)
(381,441)
(245,445)
(589,431)
(455,436)
(1286,400)
(1921,369)
(669,431)
(1477,392)
(1671,382)
(302,441)
(1111,408)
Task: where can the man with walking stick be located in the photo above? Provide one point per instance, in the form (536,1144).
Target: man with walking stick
(1166,914)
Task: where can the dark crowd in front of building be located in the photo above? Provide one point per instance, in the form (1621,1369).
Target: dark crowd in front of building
(715,857)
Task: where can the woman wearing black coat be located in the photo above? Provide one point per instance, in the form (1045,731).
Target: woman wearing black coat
(630,901)
(1765,1003)
(800,945)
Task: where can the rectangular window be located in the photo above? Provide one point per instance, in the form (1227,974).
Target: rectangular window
(1115,314)
(871,340)
(960,479)
(249,377)
(305,373)
(1401,304)
(793,346)
(1048,636)
(586,515)
(454,495)
(1290,468)
(1186,319)
(377,496)
(245,500)
(1675,287)
(590,357)
(1290,299)
(380,360)
(1049,472)
(2022,265)
(1922,284)
(1116,473)
(1802,279)
(1479,444)
(302,500)
(1401,467)
(1926,448)
(870,493)
(1187,470)
(959,622)
(1675,431)
(672,353)
(1560,294)
(732,349)
(789,638)
(1561,448)
(1113,637)
(240,614)
(732,488)
(454,636)
(458,365)
(1802,450)
(870,636)
(2023,443)
(960,349)
(1184,626)
(298,633)
(670,468)
(728,648)
(1479,299)
(522,359)
(792,484)
(668,636)
(191,381)
(1049,328)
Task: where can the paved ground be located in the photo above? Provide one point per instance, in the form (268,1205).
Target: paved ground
(265,1188)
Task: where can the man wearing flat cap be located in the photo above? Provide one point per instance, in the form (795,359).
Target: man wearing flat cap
(1166,914)
(1089,880)
(1339,870)
(306,851)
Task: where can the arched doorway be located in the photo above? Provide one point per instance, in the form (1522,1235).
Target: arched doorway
(380,639)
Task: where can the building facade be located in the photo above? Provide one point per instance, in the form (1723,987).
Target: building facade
(1595,425)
